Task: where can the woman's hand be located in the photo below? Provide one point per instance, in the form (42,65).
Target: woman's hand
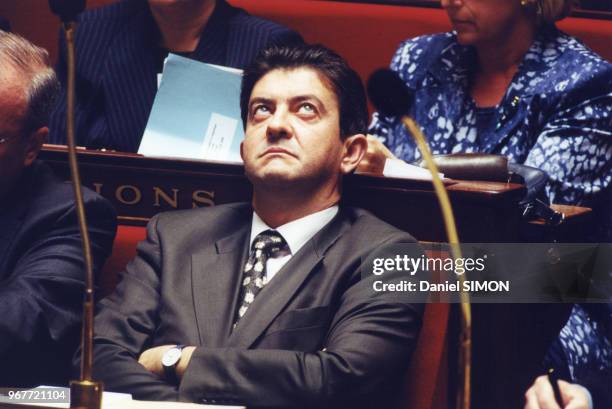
(541,395)
(374,159)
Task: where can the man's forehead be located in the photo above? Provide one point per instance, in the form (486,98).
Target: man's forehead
(12,82)
(12,93)
(287,83)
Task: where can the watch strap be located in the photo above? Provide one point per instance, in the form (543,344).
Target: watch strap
(170,370)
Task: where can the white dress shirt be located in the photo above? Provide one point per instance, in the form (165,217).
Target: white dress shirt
(296,233)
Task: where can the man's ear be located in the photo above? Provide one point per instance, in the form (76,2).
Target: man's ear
(242,150)
(355,147)
(33,145)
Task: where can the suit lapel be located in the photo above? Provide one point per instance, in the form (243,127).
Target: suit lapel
(285,284)
(216,274)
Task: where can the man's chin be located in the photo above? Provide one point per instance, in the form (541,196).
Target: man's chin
(273,180)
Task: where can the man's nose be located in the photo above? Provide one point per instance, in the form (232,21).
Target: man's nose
(279,126)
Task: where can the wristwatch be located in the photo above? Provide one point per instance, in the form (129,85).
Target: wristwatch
(169,361)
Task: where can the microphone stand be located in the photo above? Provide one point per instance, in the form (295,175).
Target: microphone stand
(465,348)
(85,392)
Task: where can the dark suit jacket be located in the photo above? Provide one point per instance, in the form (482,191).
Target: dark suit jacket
(42,275)
(314,337)
(118,59)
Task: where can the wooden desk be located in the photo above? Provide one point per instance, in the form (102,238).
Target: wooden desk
(140,187)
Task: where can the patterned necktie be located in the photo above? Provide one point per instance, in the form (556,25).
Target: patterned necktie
(266,244)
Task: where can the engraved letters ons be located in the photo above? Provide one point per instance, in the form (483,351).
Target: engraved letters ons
(131,195)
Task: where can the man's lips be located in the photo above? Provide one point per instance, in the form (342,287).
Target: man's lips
(275,150)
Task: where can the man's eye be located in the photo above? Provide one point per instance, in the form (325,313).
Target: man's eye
(259,110)
(307,108)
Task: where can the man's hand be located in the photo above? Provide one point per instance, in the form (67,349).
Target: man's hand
(151,360)
(375,157)
(542,396)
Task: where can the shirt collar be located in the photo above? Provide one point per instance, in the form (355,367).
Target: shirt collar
(297,232)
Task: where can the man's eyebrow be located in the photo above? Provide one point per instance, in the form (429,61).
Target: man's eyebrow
(293,100)
(260,100)
(307,97)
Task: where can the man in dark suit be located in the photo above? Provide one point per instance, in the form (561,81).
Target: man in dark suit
(263,304)
(120,51)
(41,265)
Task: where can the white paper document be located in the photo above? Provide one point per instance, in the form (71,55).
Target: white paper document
(196,113)
(395,168)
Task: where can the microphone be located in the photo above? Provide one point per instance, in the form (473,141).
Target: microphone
(391,97)
(389,94)
(67,10)
(85,392)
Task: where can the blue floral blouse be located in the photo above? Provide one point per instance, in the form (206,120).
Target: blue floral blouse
(556,114)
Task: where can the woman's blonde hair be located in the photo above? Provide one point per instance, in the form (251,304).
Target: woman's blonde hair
(550,11)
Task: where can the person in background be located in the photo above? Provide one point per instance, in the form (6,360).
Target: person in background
(120,51)
(507,81)
(582,354)
(42,273)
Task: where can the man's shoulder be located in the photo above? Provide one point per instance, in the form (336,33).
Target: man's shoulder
(367,228)
(224,217)
(52,195)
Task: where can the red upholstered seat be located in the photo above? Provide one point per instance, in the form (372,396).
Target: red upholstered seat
(597,34)
(368,34)
(124,249)
(365,34)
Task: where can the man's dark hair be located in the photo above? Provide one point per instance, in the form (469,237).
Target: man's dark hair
(344,81)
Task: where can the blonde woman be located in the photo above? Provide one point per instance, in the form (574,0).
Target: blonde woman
(506,81)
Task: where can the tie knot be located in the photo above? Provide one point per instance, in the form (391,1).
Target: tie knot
(269,242)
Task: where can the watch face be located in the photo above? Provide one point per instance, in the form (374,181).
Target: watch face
(171,357)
